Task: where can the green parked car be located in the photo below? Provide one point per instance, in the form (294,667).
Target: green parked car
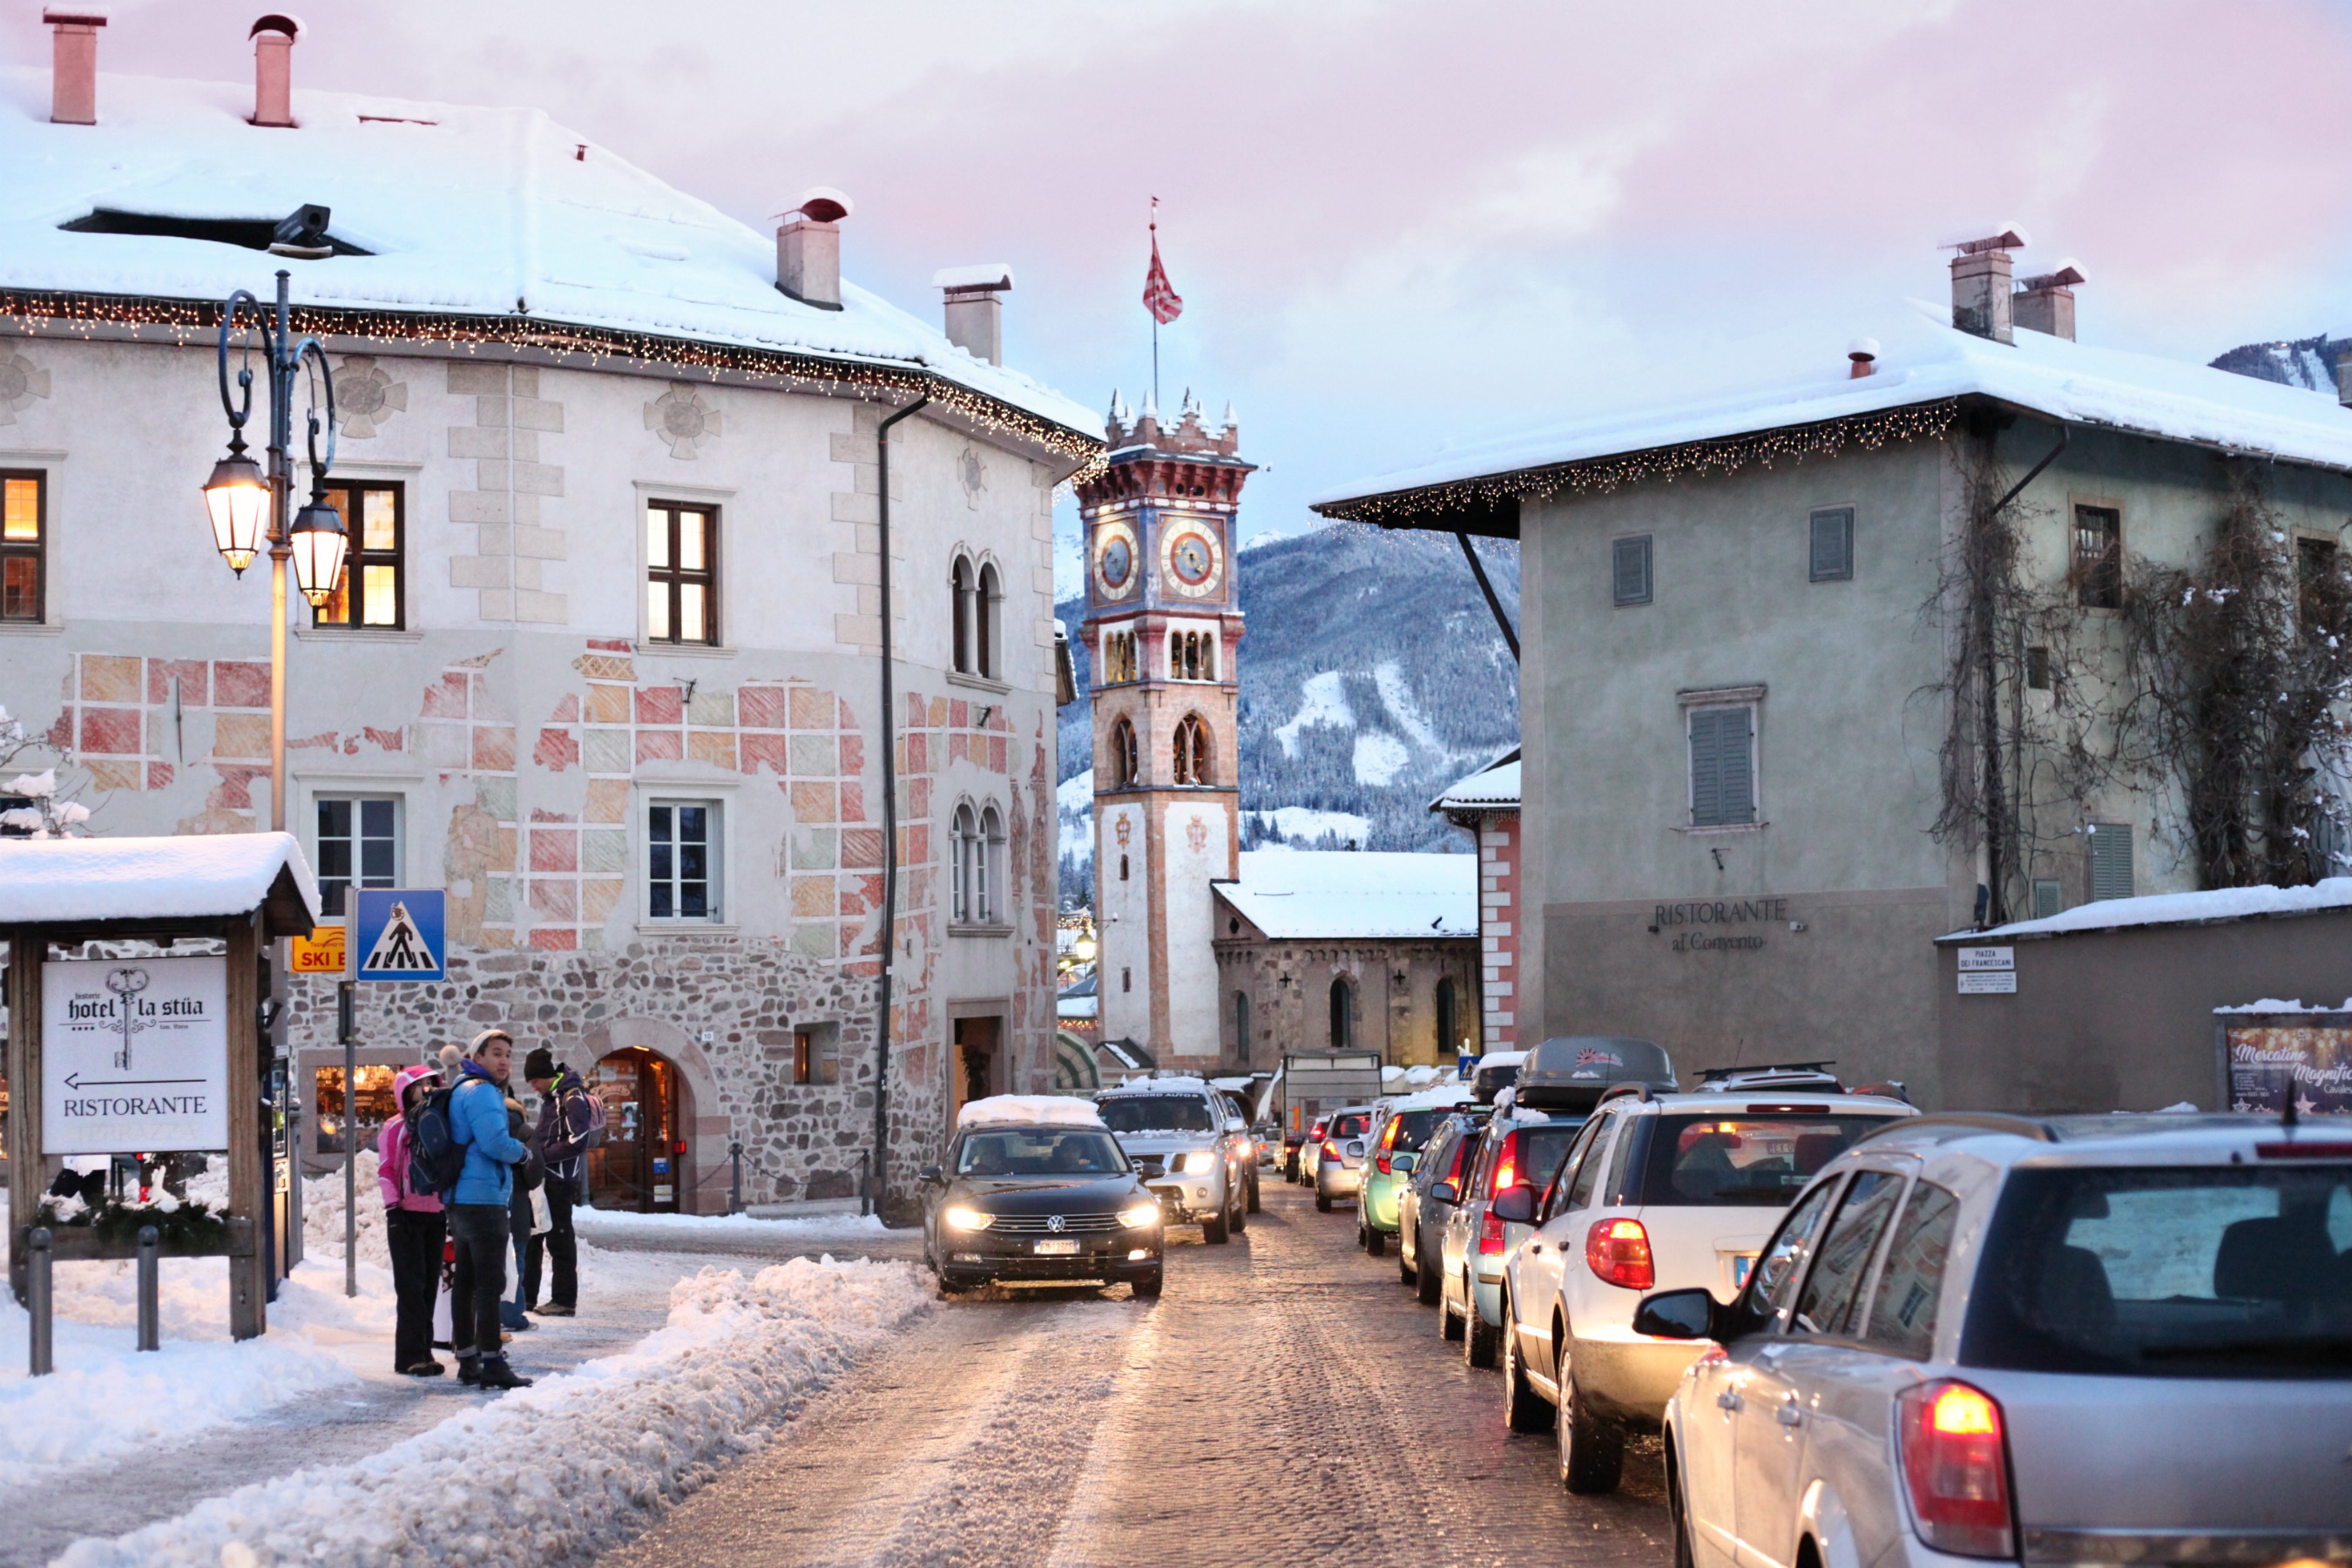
(1399,1128)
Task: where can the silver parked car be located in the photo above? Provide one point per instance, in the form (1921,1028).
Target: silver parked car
(1340,1158)
(2093,1340)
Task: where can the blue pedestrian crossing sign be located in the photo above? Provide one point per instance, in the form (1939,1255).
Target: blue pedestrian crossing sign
(397,933)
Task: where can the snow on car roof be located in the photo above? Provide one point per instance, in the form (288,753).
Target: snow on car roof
(149,879)
(1922,360)
(465,210)
(1029,1110)
(1325,894)
(1431,1099)
(1171,1085)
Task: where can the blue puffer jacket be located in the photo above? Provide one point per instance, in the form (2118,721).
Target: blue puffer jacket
(477,1120)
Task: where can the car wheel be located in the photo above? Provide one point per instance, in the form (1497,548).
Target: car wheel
(1322,1201)
(1523,1408)
(1215,1232)
(1240,1220)
(1677,1513)
(1253,1204)
(1592,1451)
(1376,1241)
(1426,1282)
(1147,1288)
(1407,1275)
(1449,1324)
(1478,1338)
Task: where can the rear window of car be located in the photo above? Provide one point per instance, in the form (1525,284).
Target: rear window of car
(1350,1126)
(1535,1153)
(1157,1113)
(2153,1271)
(1413,1130)
(1740,1160)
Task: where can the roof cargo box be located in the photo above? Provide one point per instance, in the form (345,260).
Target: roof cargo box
(1568,1072)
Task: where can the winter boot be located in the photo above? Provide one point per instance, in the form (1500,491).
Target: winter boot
(469,1369)
(496,1373)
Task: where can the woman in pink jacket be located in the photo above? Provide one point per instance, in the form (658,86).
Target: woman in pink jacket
(412,1227)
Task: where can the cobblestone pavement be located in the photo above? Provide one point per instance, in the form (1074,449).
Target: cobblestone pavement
(1284,1401)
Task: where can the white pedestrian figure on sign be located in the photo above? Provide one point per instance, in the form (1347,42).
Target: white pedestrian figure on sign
(126,984)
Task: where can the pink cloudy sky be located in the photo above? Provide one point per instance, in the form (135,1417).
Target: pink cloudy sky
(1399,224)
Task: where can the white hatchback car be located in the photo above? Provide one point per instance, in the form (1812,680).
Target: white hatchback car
(1658,1190)
(2091,1339)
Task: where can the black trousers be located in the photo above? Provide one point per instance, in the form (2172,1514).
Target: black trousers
(480,1231)
(559,1246)
(415,1242)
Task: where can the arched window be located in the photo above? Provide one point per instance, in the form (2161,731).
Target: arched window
(1175,656)
(960,589)
(1343,1011)
(1191,752)
(1123,761)
(1241,1026)
(985,598)
(1118,659)
(988,869)
(1209,656)
(1448,1041)
(961,831)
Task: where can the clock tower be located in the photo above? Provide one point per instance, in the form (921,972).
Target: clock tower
(1162,625)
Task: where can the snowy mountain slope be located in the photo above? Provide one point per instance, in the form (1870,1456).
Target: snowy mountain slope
(1372,676)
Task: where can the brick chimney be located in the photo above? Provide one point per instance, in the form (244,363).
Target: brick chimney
(273,69)
(808,249)
(2046,303)
(975,308)
(73,71)
(1981,288)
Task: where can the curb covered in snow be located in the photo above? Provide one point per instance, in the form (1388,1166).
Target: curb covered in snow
(573,1465)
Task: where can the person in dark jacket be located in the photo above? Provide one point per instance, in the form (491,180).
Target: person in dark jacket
(476,1210)
(564,1119)
(412,1229)
(520,1213)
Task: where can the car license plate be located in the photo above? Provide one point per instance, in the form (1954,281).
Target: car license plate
(1065,1248)
(1741,1263)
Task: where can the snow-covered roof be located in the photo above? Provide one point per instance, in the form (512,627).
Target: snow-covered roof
(490,212)
(2171,909)
(1029,1110)
(1294,894)
(1922,360)
(191,876)
(1069,1007)
(1496,788)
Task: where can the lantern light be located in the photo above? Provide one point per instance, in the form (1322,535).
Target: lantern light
(319,542)
(237,501)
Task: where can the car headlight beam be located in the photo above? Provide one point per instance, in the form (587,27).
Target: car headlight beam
(1140,1216)
(961,1216)
(1200,1161)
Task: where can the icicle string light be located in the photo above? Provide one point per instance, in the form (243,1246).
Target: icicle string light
(186,323)
(1428,507)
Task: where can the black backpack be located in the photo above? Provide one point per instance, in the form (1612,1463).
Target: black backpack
(436,1158)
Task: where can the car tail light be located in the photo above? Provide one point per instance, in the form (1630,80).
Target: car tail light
(1955,1466)
(1330,1149)
(1619,1251)
(1490,1233)
(1506,1169)
(1383,1164)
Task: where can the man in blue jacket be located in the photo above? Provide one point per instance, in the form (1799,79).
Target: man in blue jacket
(478,1210)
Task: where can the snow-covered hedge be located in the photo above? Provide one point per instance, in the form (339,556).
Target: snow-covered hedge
(559,1472)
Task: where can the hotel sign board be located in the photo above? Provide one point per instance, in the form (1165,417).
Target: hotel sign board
(134,1055)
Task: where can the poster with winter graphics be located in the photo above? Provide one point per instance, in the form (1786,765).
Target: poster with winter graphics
(2308,1062)
(134,1055)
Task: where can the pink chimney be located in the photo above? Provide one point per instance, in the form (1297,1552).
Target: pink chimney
(73,87)
(273,69)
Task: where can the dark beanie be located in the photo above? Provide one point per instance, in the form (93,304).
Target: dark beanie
(540,1064)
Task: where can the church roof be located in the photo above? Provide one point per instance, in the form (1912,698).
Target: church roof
(1293,895)
(501,214)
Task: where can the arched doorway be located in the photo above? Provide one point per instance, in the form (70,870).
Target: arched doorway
(639,1165)
(1343,1012)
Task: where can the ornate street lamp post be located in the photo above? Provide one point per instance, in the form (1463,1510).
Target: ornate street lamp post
(239,496)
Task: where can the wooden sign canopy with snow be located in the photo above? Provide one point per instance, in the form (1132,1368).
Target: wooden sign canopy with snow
(136,969)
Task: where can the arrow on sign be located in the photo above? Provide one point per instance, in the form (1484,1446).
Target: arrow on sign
(74,1080)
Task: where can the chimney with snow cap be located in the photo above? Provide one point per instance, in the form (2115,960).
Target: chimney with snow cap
(73,69)
(1862,356)
(273,69)
(2046,303)
(975,309)
(808,249)
(1980,292)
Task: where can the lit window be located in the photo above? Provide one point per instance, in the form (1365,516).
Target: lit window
(681,573)
(358,845)
(23,539)
(681,867)
(370,593)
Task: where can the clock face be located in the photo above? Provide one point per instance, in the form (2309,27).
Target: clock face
(1191,557)
(1114,560)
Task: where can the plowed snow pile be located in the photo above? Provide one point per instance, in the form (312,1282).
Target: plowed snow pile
(557,1472)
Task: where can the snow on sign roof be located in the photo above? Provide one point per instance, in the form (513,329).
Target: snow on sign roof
(1293,894)
(77,880)
(1496,788)
(490,212)
(1922,360)
(1029,1110)
(2171,909)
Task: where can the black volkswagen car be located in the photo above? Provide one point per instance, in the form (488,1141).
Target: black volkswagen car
(1023,1197)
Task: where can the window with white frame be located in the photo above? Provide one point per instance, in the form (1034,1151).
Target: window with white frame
(963,829)
(976,866)
(357,844)
(990,864)
(1722,738)
(682,860)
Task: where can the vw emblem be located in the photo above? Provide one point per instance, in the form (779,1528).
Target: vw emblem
(1058,1223)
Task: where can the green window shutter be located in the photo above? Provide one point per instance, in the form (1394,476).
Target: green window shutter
(2111,860)
(2049,898)
(1832,544)
(1723,782)
(1630,570)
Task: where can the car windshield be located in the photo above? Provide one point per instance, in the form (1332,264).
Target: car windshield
(1157,1113)
(2204,1271)
(1728,1161)
(1413,1130)
(1038,1152)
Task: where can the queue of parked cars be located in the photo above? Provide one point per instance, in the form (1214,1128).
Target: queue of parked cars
(1868,1337)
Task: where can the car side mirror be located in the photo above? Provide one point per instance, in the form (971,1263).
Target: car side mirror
(1517,1205)
(930,1175)
(1403,1163)
(1677,1315)
(1445,1193)
(1355,1149)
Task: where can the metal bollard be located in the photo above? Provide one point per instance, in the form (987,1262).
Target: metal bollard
(150,1271)
(37,1299)
(866,1181)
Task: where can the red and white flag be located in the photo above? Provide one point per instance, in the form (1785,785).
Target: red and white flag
(1164,303)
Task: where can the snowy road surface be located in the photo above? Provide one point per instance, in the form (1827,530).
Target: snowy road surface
(1284,1401)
